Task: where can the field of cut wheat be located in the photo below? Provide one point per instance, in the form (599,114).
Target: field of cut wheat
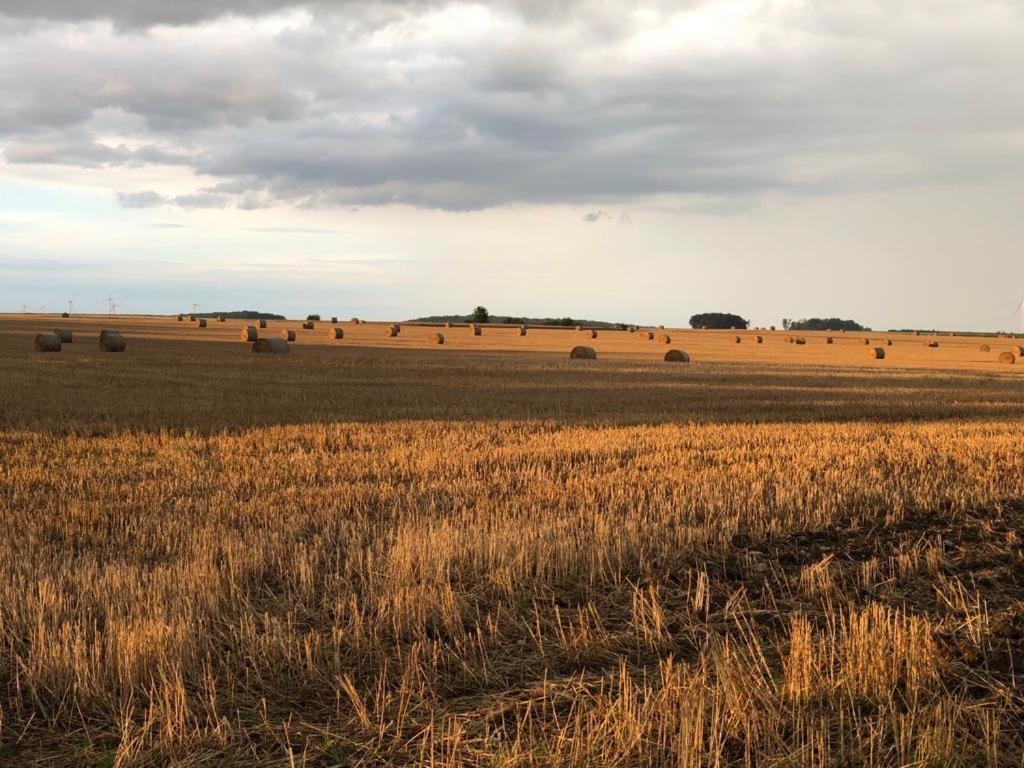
(359,554)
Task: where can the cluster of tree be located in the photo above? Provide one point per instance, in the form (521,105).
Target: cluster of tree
(482,315)
(718,320)
(822,324)
(241,314)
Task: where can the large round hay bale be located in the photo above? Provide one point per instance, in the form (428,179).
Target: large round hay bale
(593,333)
(437,338)
(646,335)
(984,348)
(829,340)
(737,339)
(759,339)
(334,321)
(676,356)
(931,344)
(876,353)
(68,314)
(355,321)
(1007,358)
(271,346)
(308,325)
(888,342)
(789,339)
(222,319)
(474,329)
(181,318)
(1018,351)
(771,328)
(867,342)
(65,335)
(111,341)
(47,342)
(664,338)
(522,330)
(288,335)
(583,353)
(800,340)
(335,333)
(262,323)
(917,333)
(191,318)
(249,333)
(202,322)
(392,330)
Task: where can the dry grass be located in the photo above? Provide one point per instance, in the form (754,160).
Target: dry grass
(479,559)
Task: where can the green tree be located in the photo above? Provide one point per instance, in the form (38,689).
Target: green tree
(480,315)
(313,317)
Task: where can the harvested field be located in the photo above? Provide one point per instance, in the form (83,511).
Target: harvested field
(488,554)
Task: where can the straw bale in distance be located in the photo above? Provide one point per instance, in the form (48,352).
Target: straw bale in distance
(800,340)
(392,330)
(66,314)
(262,323)
(474,329)
(593,333)
(249,333)
(334,321)
(112,341)
(522,330)
(676,356)
(829,340)
(181,318)
(437,338)
(271,346)
(191,318)
(288,335)
(583,353)
(1007,358)
(737,339)
(867,342)
(355,321)
(65,335)
(664,338)
(888,342)
(47,342)
(308,325)
(335,333)
(222,319)
(759,339)
(985,348)
(876,353)
(202,322)
(646,335)
(931,344)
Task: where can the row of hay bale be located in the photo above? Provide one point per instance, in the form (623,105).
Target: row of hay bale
(588,353)
(110,340)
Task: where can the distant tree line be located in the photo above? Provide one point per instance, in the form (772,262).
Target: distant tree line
(718,320)
(241,314)
(822,324)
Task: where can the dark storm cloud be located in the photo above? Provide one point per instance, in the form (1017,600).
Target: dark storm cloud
(471,106)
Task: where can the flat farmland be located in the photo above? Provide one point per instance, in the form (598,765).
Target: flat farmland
(383,551)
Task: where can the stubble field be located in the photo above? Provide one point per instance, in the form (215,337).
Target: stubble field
(380,552)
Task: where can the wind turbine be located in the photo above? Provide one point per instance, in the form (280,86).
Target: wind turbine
(71,306)
(196,307)
(1020,307)
(114,306)
(111,305)
(24,309)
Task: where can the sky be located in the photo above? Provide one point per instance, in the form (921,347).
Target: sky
(615,160)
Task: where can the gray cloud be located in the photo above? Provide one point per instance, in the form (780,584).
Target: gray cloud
(366,103)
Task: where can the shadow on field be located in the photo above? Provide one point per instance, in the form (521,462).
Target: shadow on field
(216,387)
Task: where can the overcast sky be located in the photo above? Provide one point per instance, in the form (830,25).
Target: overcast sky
(612,160)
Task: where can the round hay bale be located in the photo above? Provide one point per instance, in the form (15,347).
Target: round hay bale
(66,314)
(181,318)
(308,325)
(221,319)
(474,329)
(888,342)
(355,321)
(191,318)
(202,322)
(800,340)
(47,342)
(867,342)
(931,344)
(64,334)
(664,338)
(579,327)
(262,323)
(437,338)
(1018,351)
(876,353)
(583,353)
(789,339)
(392,330)
(271,346)
(737,339)
(772,328)
(1007,358)
(676,356)
(288,335)
(249,333)
(111,341)
(917,333)
(759,339)
(334,321)
(829,340)
(646,335)
(593,333)
(335,333)
(984,348)
(522,330)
